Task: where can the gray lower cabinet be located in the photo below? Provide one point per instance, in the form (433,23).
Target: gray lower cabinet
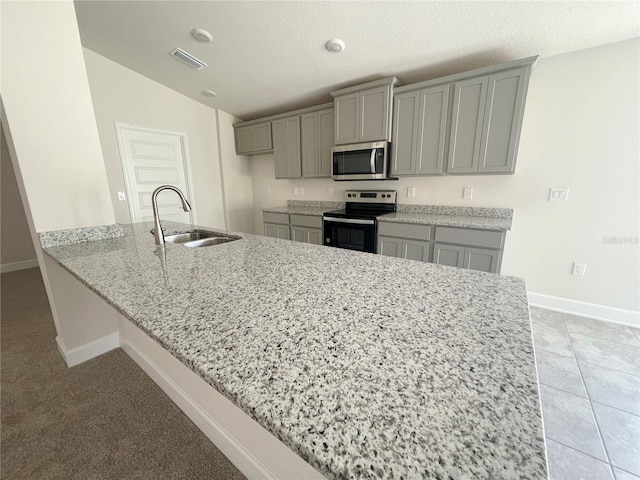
(286,147)
(486,119)
(276,225)
(317,134)
(469,248)
(420,120)
(403,240)
(253,139)
(306,228)
(300,228)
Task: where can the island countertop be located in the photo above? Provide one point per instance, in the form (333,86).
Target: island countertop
(366,366)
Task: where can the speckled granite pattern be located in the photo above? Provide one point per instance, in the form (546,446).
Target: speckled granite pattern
(457,211)
(366,366)
(79,235)
(485,223)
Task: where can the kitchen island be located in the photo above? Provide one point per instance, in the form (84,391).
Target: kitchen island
(365,366)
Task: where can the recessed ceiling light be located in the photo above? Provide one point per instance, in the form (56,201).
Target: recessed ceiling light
(209,93)
(335,45)
(201,35)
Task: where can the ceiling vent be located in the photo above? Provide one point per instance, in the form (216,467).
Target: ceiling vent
(187,58)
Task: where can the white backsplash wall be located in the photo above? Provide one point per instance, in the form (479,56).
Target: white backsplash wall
(581,131)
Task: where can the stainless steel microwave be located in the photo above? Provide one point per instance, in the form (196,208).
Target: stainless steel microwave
(360,161)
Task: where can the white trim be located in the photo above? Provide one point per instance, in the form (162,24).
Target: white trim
(90,350)
(21,265)
(584,309)
(186,163)
(251,448)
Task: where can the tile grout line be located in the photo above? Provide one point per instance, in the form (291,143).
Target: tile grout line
(580,451)
(593,413)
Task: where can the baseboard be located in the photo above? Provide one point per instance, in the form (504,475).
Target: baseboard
(22,265)
(77,355)
(584,309)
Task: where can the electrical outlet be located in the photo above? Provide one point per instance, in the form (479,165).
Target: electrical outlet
(330,192)
(579,269)
(467,192)
(411,192)
(121,196)
(558,194)
(296,190)
(268,190)
(301,190)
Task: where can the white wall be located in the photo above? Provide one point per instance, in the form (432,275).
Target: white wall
(50,116)
(237,183)
(16,247)
(581,131)
(122,95)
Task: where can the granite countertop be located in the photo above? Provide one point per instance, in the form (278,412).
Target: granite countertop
(364,365)
(463,217)
(485,223)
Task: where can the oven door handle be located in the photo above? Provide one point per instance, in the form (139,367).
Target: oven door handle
(355,221)
(373,160)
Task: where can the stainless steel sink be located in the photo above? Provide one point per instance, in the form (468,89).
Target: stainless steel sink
(199,238)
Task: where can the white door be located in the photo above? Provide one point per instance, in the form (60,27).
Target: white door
(151,159)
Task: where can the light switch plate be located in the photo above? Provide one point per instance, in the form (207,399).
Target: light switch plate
(122,196)
(295,190)
(467,192)
(558,194)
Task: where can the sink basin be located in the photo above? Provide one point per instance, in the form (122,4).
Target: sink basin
(199,238)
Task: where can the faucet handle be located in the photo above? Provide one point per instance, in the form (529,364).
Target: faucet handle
(153,230)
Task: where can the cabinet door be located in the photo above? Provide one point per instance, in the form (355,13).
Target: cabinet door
(346,124)
(314,235)
(310,145)
(326,136)
(279,148)
(502,121)
(374,114)
(466,125)
(405,133)
(432,127)
(245,141)
(389,246)
(282,231)
(262,136)
(298,234)
(448,255)
(481,259)
(286,147)
(415,250)
(270,230)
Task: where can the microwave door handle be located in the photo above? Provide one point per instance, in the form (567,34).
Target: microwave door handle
(373,160)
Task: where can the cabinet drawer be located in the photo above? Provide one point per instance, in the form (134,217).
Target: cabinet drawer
(470,237)
(306,221)
(404,230)
(271,217)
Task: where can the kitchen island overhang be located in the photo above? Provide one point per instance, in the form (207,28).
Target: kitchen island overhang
(363,365)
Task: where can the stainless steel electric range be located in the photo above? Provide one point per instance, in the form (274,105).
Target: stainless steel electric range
(356,227)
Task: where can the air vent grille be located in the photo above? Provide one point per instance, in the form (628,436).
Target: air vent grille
(187,58)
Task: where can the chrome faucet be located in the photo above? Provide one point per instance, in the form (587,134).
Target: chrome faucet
(157,233)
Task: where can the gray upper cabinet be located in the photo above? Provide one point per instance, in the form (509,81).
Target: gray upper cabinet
(363,113)
(317,135)
(253,139)
(419,131)
(486,119)
(286,147)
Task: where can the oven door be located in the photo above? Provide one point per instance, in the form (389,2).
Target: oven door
(352,233)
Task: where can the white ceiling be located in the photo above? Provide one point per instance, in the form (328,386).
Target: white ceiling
(268,56)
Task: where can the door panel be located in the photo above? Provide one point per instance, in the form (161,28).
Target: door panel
(151,159)
(448,255)
(481,259)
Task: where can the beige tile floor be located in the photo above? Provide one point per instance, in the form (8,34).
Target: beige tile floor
(589,374)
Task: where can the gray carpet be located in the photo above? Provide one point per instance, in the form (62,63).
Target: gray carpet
(104,419)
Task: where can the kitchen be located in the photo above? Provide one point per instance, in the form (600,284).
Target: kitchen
(542,145)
